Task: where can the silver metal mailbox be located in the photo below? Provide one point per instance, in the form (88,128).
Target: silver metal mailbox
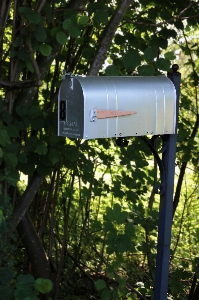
(102,107)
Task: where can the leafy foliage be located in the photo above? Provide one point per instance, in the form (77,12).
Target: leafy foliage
(86,211)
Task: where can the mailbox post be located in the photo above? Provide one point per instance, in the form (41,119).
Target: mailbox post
(102,107)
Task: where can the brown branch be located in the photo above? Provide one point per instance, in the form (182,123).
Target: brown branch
(108,36)
(4,13)
(26,199)
(33,61)
(41,6)
(36,254)
(18,84)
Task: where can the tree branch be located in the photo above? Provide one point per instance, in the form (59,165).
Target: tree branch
(33,61)
(108,36)
(26,199)
(39,262)
(18,84)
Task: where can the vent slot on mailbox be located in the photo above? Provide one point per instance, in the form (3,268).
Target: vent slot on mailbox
(62,113)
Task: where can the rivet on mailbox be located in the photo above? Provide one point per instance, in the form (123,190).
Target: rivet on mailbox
(95,107)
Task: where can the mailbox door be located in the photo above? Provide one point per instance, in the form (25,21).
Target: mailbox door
(71,109)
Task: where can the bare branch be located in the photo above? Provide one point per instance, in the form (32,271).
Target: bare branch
(39,262)
(41,6)
(33,61)
(108,36)
(18,84)
(26,199)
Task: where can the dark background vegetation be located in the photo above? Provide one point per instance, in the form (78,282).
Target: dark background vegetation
(78,219)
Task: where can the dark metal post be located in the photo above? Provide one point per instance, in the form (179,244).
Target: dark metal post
(166,203)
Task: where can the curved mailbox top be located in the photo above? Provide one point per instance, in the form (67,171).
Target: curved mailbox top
(102,107)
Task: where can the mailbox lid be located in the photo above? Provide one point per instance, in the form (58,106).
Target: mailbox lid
(153,99)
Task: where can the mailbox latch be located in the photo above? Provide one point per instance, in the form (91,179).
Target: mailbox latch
(96,113)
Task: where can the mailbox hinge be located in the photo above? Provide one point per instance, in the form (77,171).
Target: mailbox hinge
(66,74)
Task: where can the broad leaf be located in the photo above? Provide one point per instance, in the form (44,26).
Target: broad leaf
(61,37)
(41,149)
(67,24)
(112,70)
(6,274)
(146,71)
(43,285)
(100,284)
(4,137)
(45,49)
(40,34)
(83,20)
(11,159)
(131,60)
(150,53)
(163,64)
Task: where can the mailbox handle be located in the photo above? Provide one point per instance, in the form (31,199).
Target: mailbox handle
(97,113)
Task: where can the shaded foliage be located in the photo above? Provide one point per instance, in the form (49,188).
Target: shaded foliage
(78,219)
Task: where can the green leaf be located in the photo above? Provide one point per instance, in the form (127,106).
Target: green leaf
(29,66)
(88,52)
(170,55)
(22,157)
(106,294)
(40,34)
(163,64)
(112,70)
(100,284)
(4,137)
(1,152)
(83,20)
(74,32)
(54,156)
(12,131)
(101,17)
(41,149)
(67,24)
(33,17)
(34,297)
(61,37)
(6,292)
(23,292)
(131,60)
(10,159)
(45,49)
(34,111)
(25,280)
(23,54)
(54,31)
(16,42)
(146,71)
(6,274)
(12,53)
(43,285)
(150,53)
(6,117)
(38,123)
(12,176)
(21,110)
